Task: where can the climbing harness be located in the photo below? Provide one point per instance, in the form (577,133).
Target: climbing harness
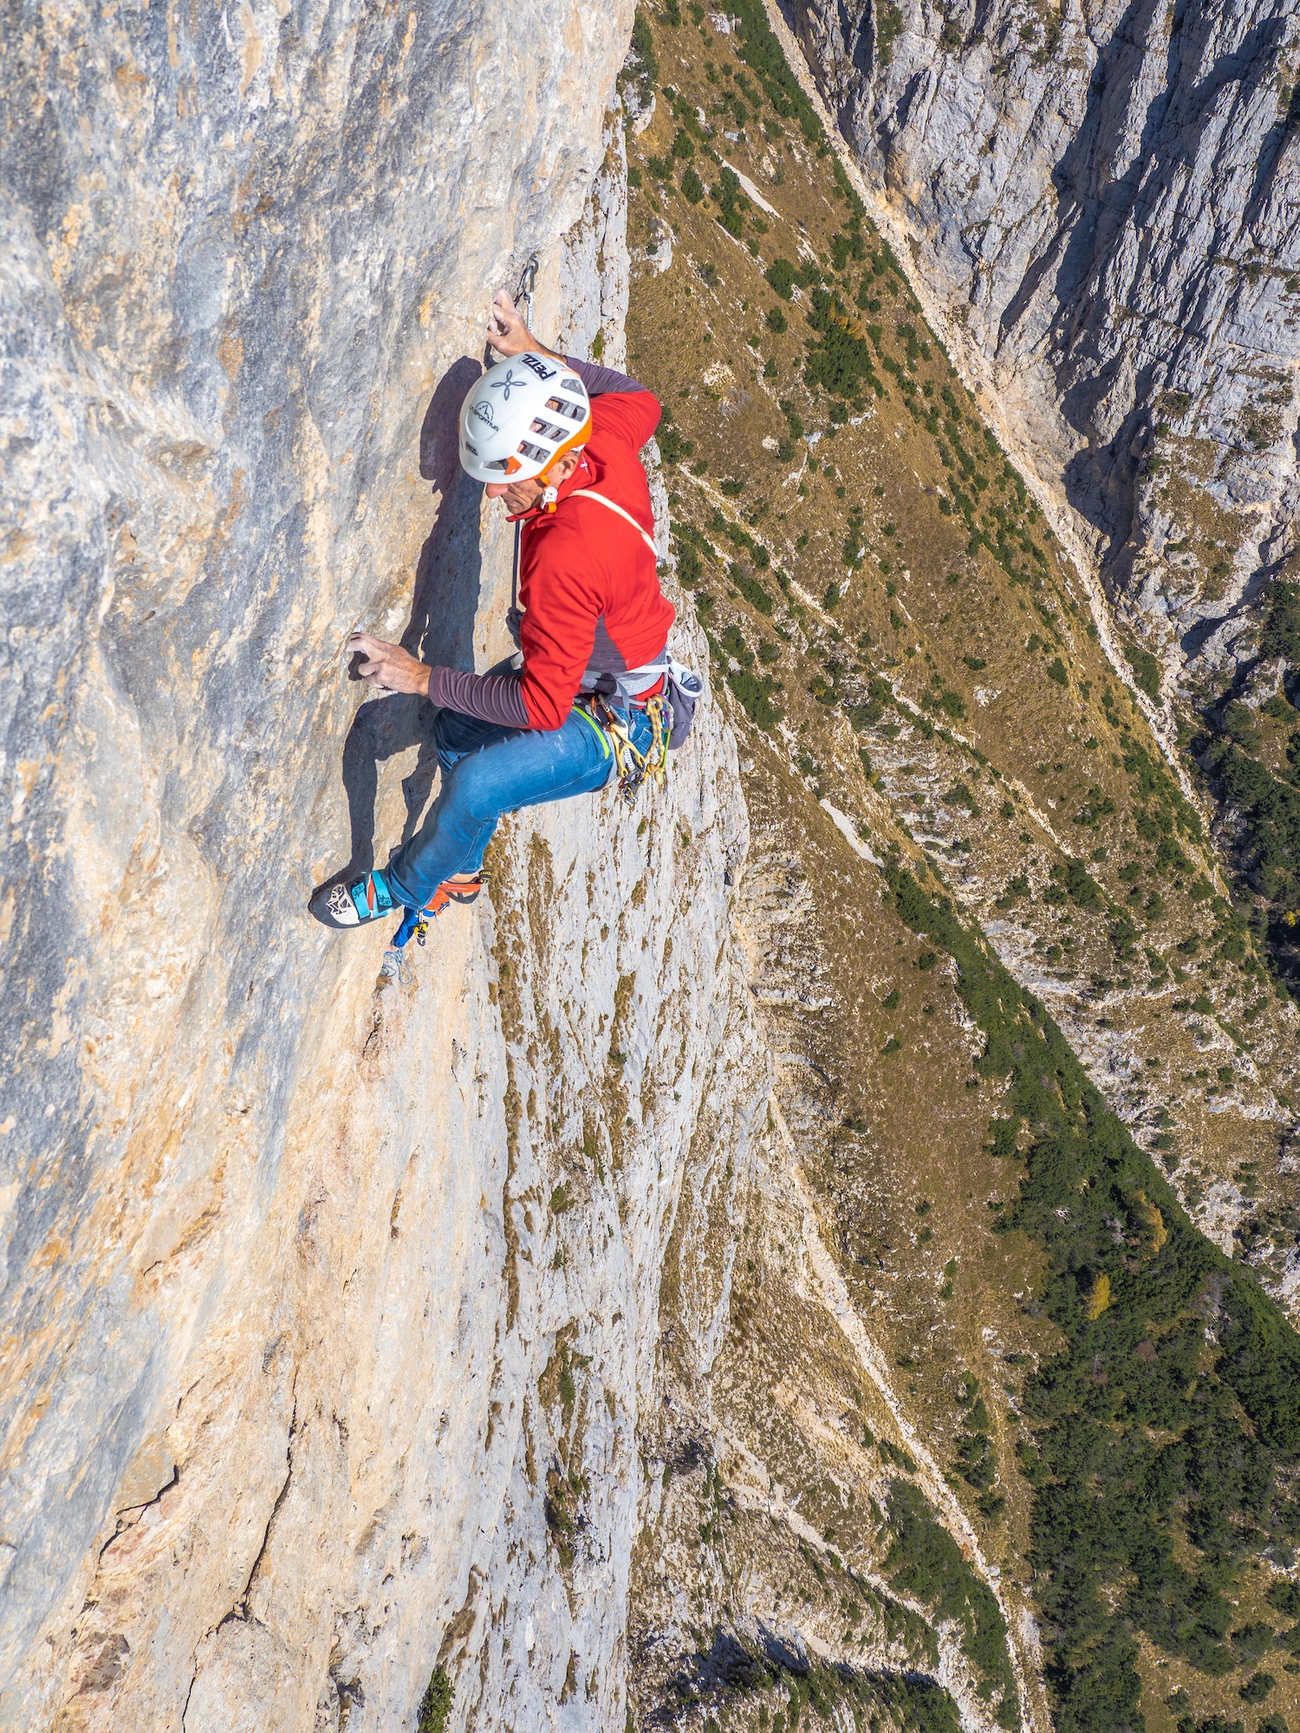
(683,687)
(632,765)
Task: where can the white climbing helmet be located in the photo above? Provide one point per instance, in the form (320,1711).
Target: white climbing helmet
(521,415)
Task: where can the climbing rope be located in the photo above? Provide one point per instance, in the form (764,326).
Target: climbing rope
(632,765)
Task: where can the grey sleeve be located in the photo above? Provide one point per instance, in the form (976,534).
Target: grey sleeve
(490,697)
(599,380)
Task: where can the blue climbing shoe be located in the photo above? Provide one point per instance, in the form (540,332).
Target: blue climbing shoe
(352,905)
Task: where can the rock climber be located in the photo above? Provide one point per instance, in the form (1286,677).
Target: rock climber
(557,441)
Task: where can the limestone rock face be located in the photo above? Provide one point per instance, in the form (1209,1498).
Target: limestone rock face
(1103,205)
(313,1378)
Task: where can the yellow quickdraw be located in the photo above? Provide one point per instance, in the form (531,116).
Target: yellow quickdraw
(633,766)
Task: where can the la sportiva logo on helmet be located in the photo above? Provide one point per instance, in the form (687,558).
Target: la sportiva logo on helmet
(538,367)
(482,411)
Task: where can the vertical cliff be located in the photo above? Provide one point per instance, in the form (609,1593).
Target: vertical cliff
(317,1305)
(756,1273)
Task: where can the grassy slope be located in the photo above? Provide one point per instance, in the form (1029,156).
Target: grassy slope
(925,702)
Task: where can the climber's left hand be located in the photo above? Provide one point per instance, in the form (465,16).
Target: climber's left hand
(506,331)
(388,667)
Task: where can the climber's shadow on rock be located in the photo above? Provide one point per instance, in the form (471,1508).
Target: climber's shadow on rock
(447,576)
(441,629)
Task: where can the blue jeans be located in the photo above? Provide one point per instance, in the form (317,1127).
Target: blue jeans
(487,770)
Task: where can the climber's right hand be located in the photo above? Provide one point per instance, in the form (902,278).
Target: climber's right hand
(387,667)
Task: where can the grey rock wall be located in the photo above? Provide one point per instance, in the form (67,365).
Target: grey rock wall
(305,1359)
(1101,199)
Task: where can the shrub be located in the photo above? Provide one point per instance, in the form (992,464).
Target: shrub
(780,276)
(1079,884)
(435,1705)
(839,361)
(762,53)
(946,702)
(1281,633)
(755,694)
(889,24)
(1257,1687)
(795,425)
(1146,672)
(643,64)
(672,447)
(927,1563)
(692,186)
(751,589)
(776,320)
(731,202)
(1239,725)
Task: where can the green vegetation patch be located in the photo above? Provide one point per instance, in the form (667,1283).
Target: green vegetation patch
(754,690)
(642,68)
(841,361)
(1159,1429)
(1270,847)
(926,1563)
(1153,781)
(1146,672)
(1281,633)
(1266,805)
(760,50)
(435,1705)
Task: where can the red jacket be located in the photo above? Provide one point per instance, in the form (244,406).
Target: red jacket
(588,584)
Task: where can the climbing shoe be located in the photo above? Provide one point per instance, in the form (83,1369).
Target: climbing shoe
(450,892)
(351,905)
(415,922)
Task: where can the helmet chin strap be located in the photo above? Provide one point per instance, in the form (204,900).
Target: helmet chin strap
(548,498)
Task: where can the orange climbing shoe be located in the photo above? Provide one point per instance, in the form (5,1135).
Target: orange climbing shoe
(452,891)
(415,922)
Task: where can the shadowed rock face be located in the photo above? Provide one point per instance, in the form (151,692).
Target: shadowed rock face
(274,1322)
(1104,200)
